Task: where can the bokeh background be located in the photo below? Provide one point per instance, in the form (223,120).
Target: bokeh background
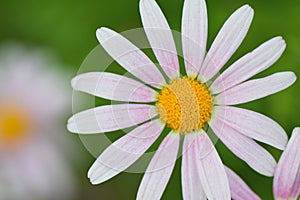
(67,29)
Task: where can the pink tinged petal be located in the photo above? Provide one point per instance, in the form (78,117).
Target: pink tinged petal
(287,168)
(296,187)
(130,57)
(124,152)
(211,169)
(238,188)
(160,169)
(256,89)
(253,125)
(244,147)
(114,87)
(160,37)
(194,35)
(110,118)
(249,65)
(191,183)
(227,41)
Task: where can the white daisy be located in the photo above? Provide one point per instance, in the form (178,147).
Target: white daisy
(33,99)
(286,183)
(184,104)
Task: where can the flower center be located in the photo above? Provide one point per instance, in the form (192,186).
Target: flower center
(14,125)
(185,105)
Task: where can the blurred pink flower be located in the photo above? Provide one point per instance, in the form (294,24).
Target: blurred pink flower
(33,101)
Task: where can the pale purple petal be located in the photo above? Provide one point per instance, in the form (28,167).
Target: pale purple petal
(160,37)
(287,168)
(194,35)
(211,169)
(114,87)
(244,147)
(191,183)
(160,169)
(296,187)
(110,118)
(226,43)
(239,190)
(253,125)
(249,65)
(124,152)
(130,57)
(256,89)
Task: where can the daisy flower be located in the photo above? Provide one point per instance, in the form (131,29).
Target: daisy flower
(185,104)
(32,101)
(286,183)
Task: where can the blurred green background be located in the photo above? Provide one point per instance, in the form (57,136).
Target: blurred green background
(67,28)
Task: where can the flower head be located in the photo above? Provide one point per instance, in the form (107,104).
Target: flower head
(185,104)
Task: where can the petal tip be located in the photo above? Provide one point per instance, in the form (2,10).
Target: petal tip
(293,77)
(101,29)
(296,130)
(94,181)
(98,31)
(296,133)
(279,39)
(71,127)
(248,9)
(103,34)
(90,173)
(142,4)
(281,43)
(73,82)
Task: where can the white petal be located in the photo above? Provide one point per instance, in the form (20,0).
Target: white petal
(238,188)
(194,35)
(160,37)
(114,87)
(124,152)
(244,147)
(110,118)
(253,125)
(249,65)
(256,89)
(191,183)
(130,57)
(160,169)
(211,169)
(227,41)
(287,168)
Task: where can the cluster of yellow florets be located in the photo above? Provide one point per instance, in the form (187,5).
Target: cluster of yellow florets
(185,105)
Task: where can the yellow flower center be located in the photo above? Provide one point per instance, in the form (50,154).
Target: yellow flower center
(185,105)
(15,125)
